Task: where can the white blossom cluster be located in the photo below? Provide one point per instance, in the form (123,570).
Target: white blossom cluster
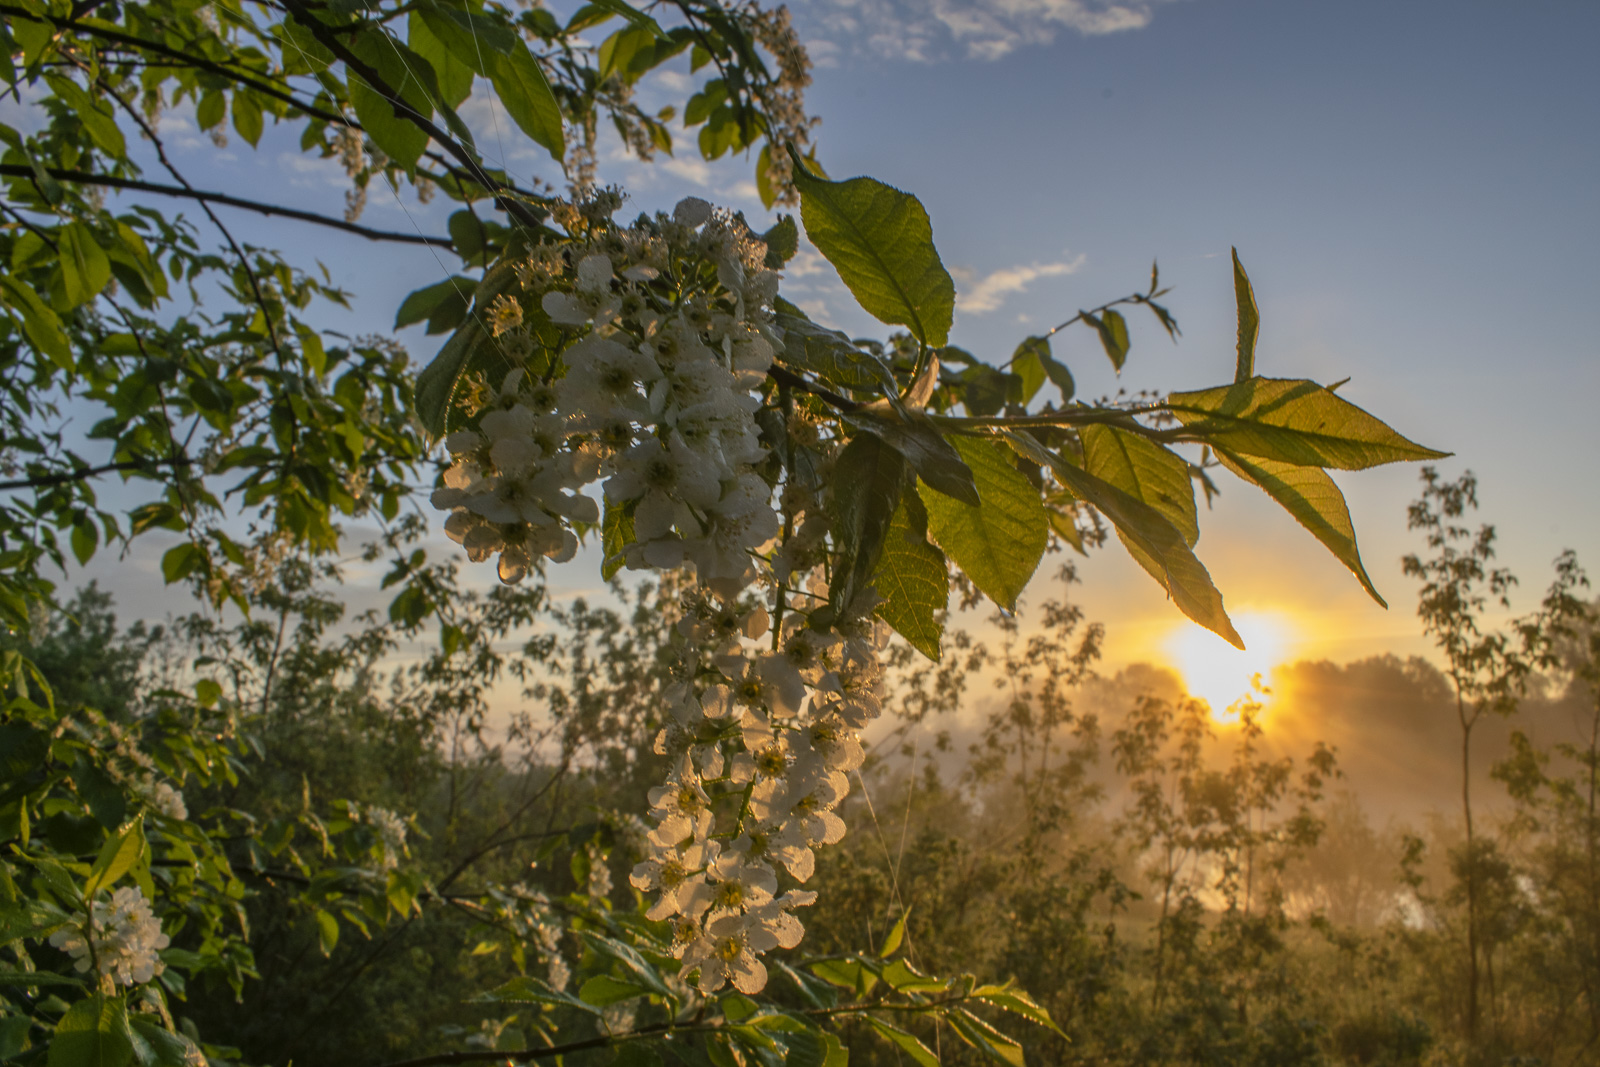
(390,830)
(670,336)
(161,797)
(122,940)
(525,912)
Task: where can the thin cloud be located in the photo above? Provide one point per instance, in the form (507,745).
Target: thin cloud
(990,292)
(927,31)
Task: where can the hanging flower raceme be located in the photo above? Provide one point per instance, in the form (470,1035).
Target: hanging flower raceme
(666,336)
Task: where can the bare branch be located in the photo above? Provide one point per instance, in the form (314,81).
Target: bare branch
(78,177)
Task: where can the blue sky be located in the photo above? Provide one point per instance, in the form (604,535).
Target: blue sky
(1414,187)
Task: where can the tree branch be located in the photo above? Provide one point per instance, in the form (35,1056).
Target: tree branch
(784,376)
(78,177)
(44,481)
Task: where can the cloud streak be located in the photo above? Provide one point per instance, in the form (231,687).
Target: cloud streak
(989,292)
(929,31)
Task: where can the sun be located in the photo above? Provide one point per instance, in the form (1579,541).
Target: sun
(1220,674)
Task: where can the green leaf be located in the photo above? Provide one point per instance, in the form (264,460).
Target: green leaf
(93,113)
(1171,561)
(1144,469)
(327,931)
(985,1038)
(988,389)
(1249,321)
(1015,1000)
(526,990)
(85,538)
(30,919)
(1113,330)
(632,14)
(998,543)
(1292,421)
(247,118)
(849,974)
(1031,363)
(466,34)
(907,979)
(436,385)
(212,109)
(526,95)
(14,1036)
(627,53)
(907,1042)
(830,355)
(881,242)
(603,990)
(11,978)
(156,1046)
(1310,495)
(117,857)
(443,305)
(912,578)
(782,242)
(85,270)
(389,122)
(454,73)
(805,1048)
(891,944)
(93,1033)
(914,436)
(616,534)
(180,561)
(766,188)
(869,478)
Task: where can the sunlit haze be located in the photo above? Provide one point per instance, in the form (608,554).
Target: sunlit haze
(1220,674)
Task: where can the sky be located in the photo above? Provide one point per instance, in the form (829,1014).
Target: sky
(1414,188)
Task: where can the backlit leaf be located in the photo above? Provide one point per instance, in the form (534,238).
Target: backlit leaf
(914,436)
(869,477)
(1293,421)
(985,1038)
(117,857)
(1143,468)
(1029,363)
(881,242)
(912,578)
(85,270)
(93,1033)
(907,1042)
(526,95)
(389,123)
(1249,321)
(999,542)
(1310,495)
(830,355)
(1170,559)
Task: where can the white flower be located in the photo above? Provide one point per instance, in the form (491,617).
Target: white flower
(727,953)
(678,874)
(125,937)
(664,480)
(391,831)
(161,797)
(735,882)
(681,807)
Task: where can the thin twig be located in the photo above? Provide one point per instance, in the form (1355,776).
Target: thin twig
(78,177)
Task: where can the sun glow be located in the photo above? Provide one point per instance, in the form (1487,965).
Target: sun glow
(1220,674)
